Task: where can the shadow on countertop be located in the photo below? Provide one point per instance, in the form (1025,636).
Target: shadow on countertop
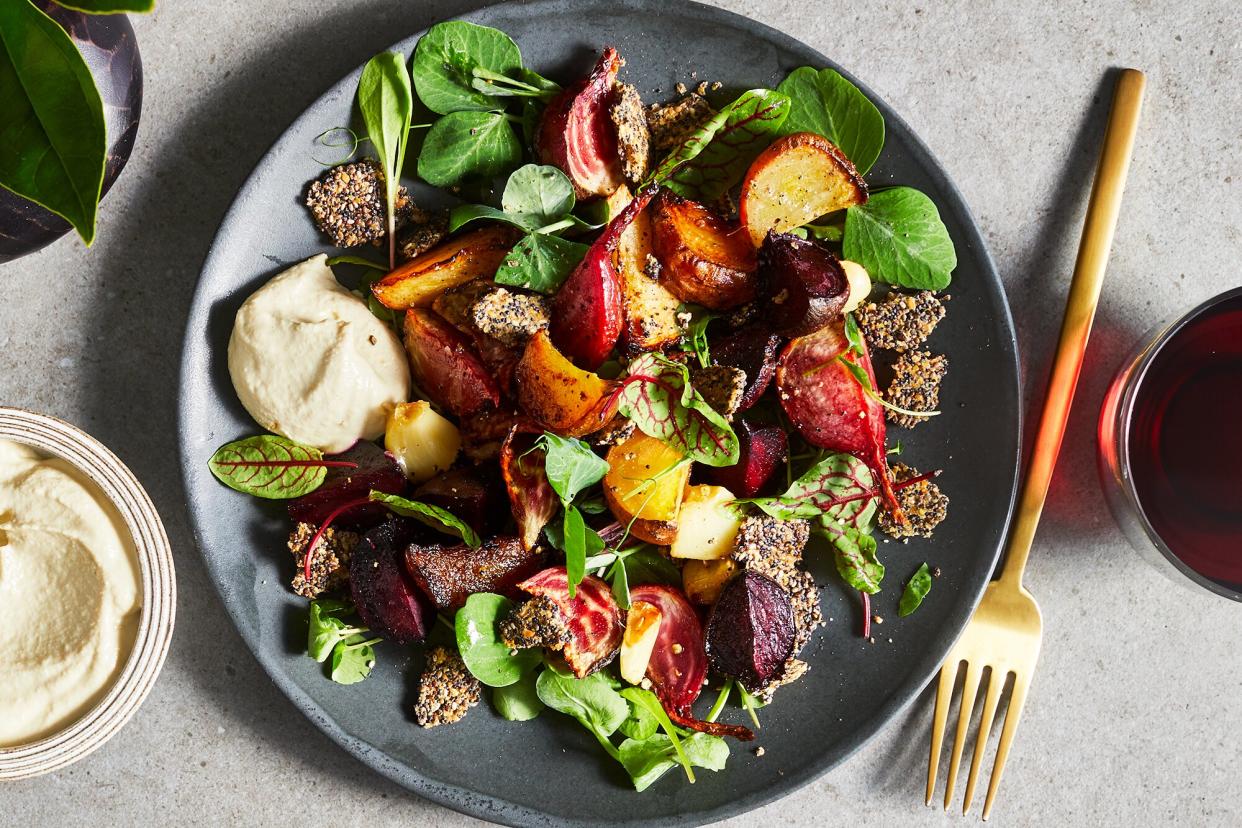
(180,192)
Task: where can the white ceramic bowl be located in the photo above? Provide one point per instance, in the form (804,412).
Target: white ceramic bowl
(159,593)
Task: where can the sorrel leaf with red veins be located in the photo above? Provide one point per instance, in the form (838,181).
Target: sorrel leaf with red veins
(658,397)
(531,497)
(440,519)
(855,555)
(840,487)
(271,467)
(715,157)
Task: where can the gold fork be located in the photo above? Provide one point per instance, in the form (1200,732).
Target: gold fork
(1007,628)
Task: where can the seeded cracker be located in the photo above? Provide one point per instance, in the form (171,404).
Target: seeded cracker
(329,562)
(915,385)
(633,136)
(924,504)
(508,316)
(670,124)
(721,387)
(535,623)
(446,691)
(901,321)
(347,203)
(424,231)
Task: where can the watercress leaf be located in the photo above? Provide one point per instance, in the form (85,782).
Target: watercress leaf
(538,190)
(647,566)
(640,724)
(840,487)
(540,262)
(52,130)
(826,103)
(706,751)
(658,397)
(620,584)
(592,701)
(648,699)
(730,141)
(109,6)
(571,465)
(438,518)
(592,506)
(518,702)
(464,145)
(697,336)
(646,760)
(899,238)
(916,590)
(579,542)
(386,103)
(854,553)
(269,466)
(488,658)
(326,628)
(824,232)
(463,214)
(445,58)
(353,659)
(853,335)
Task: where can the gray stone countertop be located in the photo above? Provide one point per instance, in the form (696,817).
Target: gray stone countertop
(1134,714)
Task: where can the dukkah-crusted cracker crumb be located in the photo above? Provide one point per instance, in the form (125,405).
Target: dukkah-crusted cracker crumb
(348,204)
(633,136)
(423,231)
(721,387)
(617,431)
(773,548)
(672,123)
(509,316)
(534,623)
(915,385)
(446,691)
(923,503)
(329,561)
(900,321)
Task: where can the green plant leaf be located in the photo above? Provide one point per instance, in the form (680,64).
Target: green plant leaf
(109,6)
(571,465)
(840,487)
(579,542)
(353,659)
(326,627)
(725,146)
(440,519)
(463,214)
(899,238)
(592,701)
(52,128)
(658,397)
(271,467)
(916,590)
(855,556)
(465,145)
(487,658)
(641,723)
(445,59)
(826,103)
(518,702)
(386,103)
(647,699)
(540,191)
(540,262)
(647,566)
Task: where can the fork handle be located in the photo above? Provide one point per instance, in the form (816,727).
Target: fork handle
(1084,295)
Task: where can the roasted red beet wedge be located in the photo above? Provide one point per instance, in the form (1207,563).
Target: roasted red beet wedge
(828,405)
(577,135)
(594,619)
(806,285)
(753,349)
(531,498)
(444,364)
(448,575)
(761,451)
(467,495)
(376,470)
(587,314)
(678,662)
(750,633)
(384,596)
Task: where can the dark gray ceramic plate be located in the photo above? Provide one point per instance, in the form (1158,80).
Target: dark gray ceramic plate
(550,770)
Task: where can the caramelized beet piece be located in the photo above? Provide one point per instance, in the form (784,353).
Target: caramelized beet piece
(531,498)
(467,495)
(828,405)
(587,313)
(761,451)
(753,349)
(444,364)
(678,662)
(750,634)
(376,470)
(576,134)
(806,285)
(594,619)
(448,575)
(385,599)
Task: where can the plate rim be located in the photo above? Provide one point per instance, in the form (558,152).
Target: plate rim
(495,808)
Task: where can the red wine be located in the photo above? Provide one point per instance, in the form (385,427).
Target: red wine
(1186,442)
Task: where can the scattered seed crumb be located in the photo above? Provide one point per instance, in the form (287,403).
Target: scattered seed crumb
(759,751)
(423,231)
(680,87)
(716,85)
(670,124)
(701,89)
(935,572)
(877,619)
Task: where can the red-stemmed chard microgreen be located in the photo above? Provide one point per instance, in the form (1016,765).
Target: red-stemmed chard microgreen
(272,467)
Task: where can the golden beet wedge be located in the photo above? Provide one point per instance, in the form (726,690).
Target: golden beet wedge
(474,255)
(561,396)
(643,489)
(796,180)
(703,258)
(650,310)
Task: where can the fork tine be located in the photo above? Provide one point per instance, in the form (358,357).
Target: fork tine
(970,687)
(996,683)
(948,676)
(1012,716)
